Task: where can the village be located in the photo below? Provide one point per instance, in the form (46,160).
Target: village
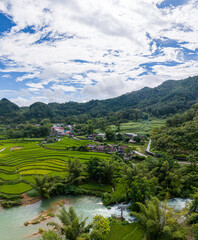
(98,142)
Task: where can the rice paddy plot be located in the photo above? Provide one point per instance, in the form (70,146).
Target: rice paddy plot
(15,188)
(7,169)
(29,178)
(66,142)
(8,177)
(31,159)
(35,172)
(140,127)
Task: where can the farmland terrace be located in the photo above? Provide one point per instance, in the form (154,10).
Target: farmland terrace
(21,160)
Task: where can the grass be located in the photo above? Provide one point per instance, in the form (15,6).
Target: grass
(32,160)
(139,147)
(140,127)
(130,231)
(15,188)
(97,187)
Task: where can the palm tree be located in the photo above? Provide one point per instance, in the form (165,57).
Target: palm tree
(75,169)
(106,170)
(160,222)
(71,226)
(45,184)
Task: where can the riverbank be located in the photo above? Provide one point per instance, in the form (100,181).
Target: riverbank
(27,200)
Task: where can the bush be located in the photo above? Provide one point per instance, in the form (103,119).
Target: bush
(32,193)
(9,204)
(140,158)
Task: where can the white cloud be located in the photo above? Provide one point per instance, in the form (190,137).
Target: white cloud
(112,38)
(27,76)
(63,88)
(35,85)
(6,76)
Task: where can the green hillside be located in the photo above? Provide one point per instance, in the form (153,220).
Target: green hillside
(180,134)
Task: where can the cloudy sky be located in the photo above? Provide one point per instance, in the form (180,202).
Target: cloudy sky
(77,50)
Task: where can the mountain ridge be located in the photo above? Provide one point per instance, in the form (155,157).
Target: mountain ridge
(170,97)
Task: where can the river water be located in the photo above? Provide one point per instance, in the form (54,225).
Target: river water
(178,203)
(12,220)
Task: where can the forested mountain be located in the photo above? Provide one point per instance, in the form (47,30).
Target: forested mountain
(169,98)
(180,134)
(8,109)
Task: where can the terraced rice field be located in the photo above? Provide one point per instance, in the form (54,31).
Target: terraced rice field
(19,166)
(141,127)
(67,142)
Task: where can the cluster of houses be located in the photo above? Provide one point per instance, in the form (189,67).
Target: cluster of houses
(94,136)
(61,130)
(110,148)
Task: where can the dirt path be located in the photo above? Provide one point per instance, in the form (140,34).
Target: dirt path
(181,162)
(2,149)
(140,154)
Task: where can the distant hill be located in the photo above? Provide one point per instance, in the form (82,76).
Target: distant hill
(8,108)
(169,98)
(180,134)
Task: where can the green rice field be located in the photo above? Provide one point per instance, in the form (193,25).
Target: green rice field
(66,142)
(130,231)
(140,127)
(21,160)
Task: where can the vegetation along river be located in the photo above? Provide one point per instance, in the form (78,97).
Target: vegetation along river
(12,220)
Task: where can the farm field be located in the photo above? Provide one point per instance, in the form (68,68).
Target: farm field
(126,232)
(21,160)
(67,143)
(97,187)
(141,127)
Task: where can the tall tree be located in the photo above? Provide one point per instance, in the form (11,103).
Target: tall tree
(160,222)
(71,227)
(75,169)
(100,228)
(45,184)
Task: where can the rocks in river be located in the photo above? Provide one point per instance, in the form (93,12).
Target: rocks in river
(61,202)
(45,215)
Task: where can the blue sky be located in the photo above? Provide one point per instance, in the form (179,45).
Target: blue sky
(77,50)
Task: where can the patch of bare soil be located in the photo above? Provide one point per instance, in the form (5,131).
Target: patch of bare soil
(26,200)
(15,148)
